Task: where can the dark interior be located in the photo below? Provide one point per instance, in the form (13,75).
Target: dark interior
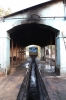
(28,34)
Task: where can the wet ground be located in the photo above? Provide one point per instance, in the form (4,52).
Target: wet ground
(33,93)
(35,88)
(55,85)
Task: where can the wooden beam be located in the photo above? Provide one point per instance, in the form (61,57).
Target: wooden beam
(12,52)
(19,54)
(51,51)
(55,51)
(44,53)
(16,53)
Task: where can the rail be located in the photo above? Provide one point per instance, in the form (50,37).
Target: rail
(30,90)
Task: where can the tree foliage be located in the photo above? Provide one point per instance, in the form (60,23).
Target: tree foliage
(4,12)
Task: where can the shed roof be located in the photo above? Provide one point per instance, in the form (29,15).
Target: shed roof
(32,7)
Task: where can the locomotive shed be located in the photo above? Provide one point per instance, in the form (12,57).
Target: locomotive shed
(33,25)
(29,34)
(43,25)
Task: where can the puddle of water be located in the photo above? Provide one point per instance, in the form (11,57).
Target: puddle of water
(33,92)
(49,68)
(33,76)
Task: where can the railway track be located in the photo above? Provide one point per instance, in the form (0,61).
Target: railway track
(33,87)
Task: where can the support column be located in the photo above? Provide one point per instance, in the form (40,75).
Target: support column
(51,52)
(60,55)
(63,53)
(44,53)
(57,69)
(55,51)
(12,53)
(16,53)
(23,54)
(19,54)
(4,51)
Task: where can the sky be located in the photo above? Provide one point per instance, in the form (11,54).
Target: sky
(17,5)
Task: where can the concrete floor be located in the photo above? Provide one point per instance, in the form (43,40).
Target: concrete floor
(10,84)
(55,85)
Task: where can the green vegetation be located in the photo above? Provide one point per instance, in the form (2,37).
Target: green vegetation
(4,12)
